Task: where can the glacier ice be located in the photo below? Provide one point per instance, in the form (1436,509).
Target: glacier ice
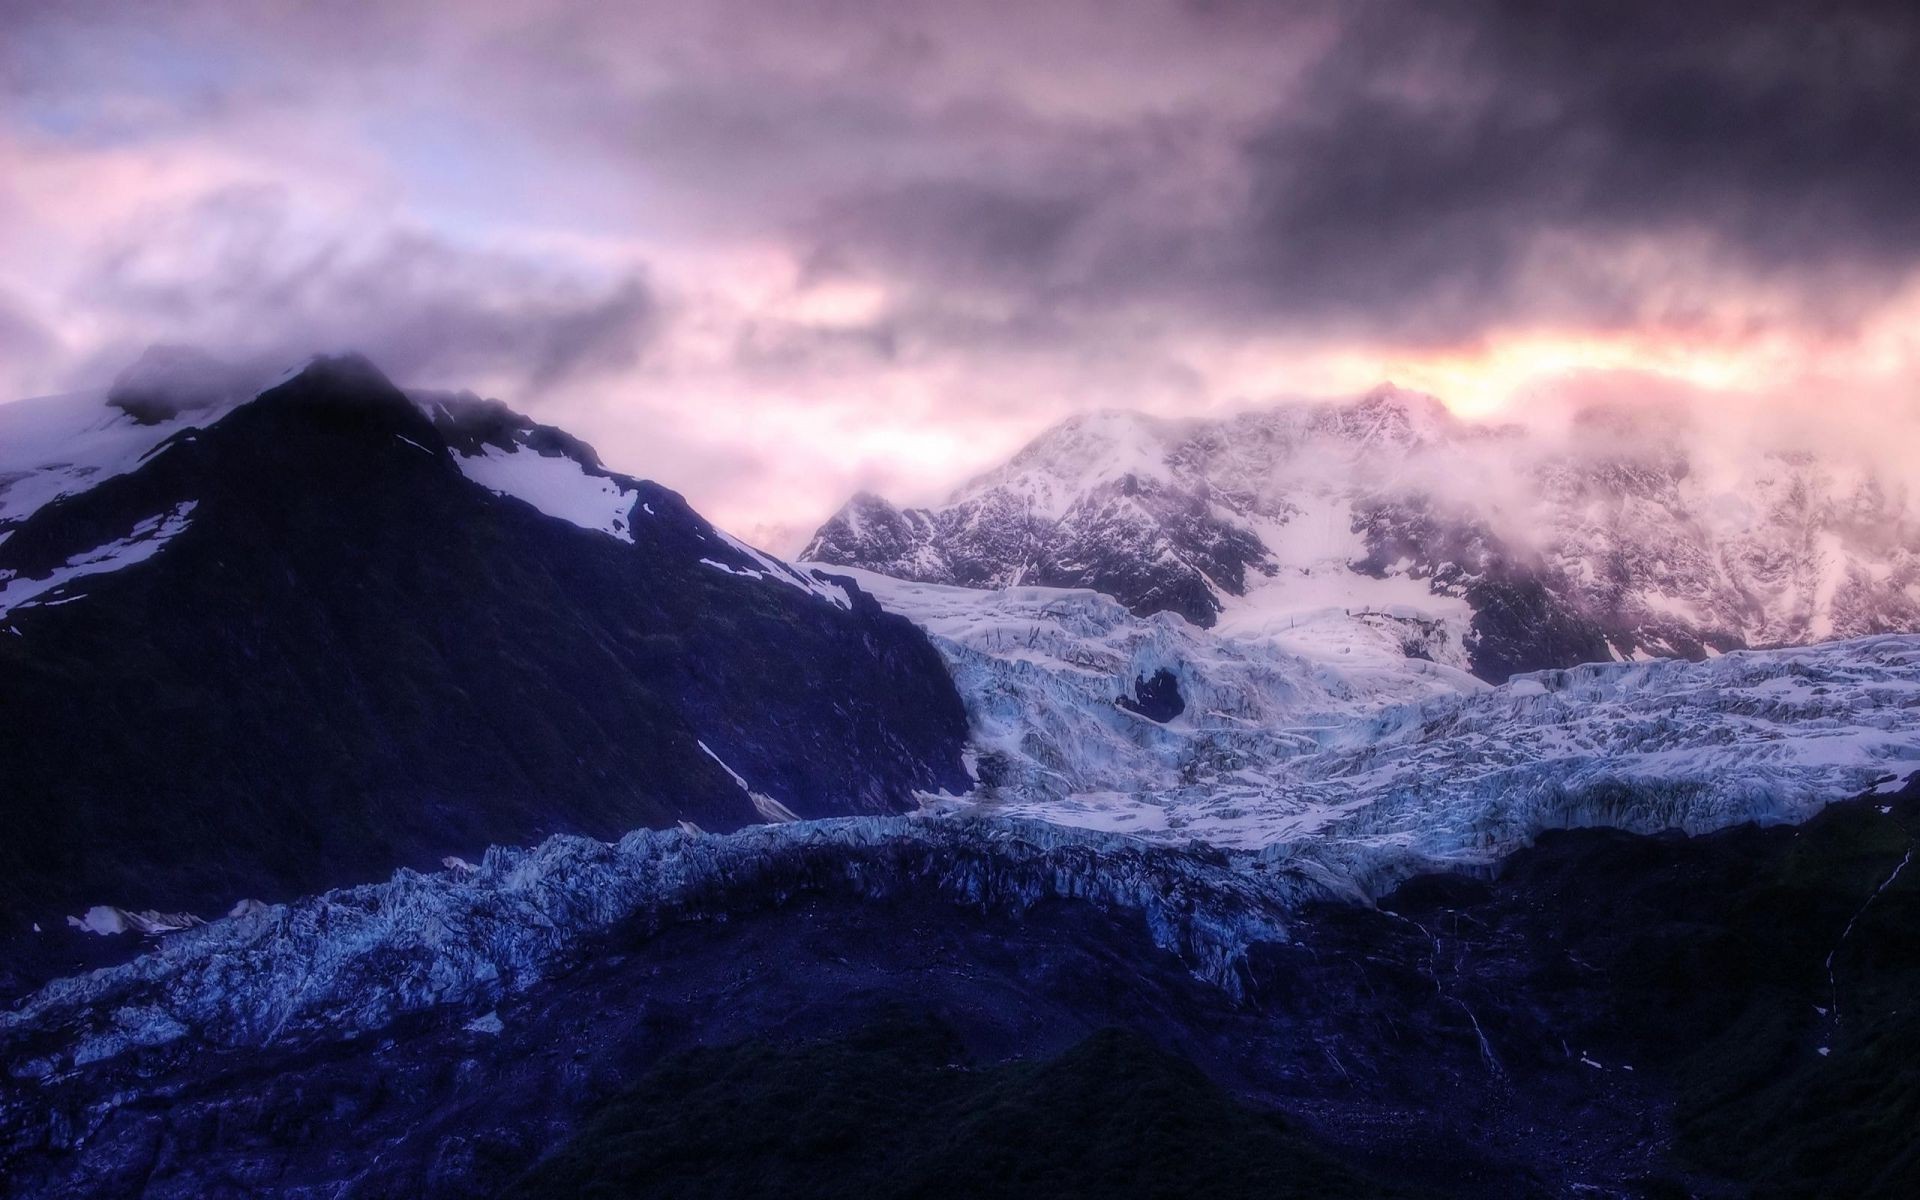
(1298,767)
(1369,770)
(355,959)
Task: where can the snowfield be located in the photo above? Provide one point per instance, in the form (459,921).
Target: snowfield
(1630,534)
(556,485)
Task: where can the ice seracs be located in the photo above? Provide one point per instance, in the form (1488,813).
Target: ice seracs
(1370,766)
(340,964)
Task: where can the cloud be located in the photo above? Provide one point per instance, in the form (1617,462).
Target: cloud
(1444,170)
(1452,153)
(20,335)
(240,270)
(770,250)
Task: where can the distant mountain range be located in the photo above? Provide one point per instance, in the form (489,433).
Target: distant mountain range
(1492,547)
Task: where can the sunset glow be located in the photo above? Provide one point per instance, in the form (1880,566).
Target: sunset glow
(771,256)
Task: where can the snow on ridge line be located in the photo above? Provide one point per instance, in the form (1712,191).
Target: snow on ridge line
(142,542)
(561,487)
(52,447)
(352,960)
(784,572)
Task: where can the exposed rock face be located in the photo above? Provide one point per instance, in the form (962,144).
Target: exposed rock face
(335,630)
(1541,552)
(1156,544)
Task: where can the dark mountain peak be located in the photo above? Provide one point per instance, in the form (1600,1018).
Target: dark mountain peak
(342,400)
(333,643)
(349,380)
(870,529)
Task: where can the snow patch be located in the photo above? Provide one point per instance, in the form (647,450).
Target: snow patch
(556,485)
(105,920)
(488,1024)
(145,540)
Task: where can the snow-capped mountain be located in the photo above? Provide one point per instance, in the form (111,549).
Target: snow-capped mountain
(1517,550)
(250,647)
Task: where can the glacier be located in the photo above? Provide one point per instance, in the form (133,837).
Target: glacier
(1320,750)
(1365,767)
(356,959)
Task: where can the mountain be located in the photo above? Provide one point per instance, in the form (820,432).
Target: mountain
(256,647)
(1523,550)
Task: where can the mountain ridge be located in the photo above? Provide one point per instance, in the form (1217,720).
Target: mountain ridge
(300,645)
(1535,552)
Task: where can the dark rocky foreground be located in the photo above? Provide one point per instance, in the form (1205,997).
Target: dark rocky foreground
(1607,1014)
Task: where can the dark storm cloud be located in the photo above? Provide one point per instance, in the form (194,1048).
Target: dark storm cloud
(1442,141)
(1447,167)
(958,229)
(1058,179)
(426,310)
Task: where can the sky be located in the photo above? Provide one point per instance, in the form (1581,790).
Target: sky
(772,252)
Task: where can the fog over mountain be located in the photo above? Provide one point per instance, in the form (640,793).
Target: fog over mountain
(1623,531)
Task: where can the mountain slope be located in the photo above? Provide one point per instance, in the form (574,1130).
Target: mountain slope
(299,646)
(1527,550)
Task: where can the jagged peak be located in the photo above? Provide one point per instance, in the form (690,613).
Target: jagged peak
(1390,414)
(864,500)
(1078,454)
